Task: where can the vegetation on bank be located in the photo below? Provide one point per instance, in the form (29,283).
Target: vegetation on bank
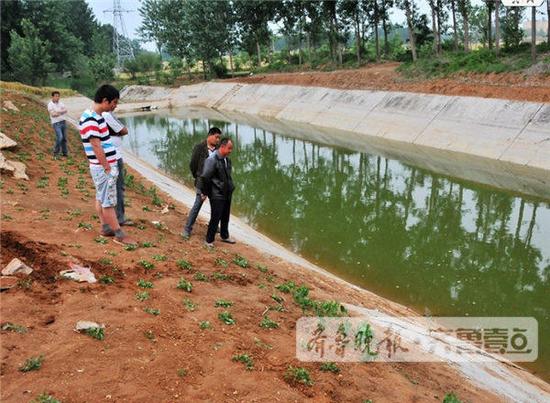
(62,44)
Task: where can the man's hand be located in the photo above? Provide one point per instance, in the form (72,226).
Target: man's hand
(107,169)
(203,197)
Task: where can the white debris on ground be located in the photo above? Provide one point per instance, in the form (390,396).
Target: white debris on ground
(78,273)
(16,266)
(16,168)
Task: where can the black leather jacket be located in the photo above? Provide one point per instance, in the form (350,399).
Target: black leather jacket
(215,180)
(200,154)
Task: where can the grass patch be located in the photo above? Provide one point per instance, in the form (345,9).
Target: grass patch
(298,375)
(97,333)
(240,261)
(223,303)
(226,318)
(12,327)
(185,285)
(142,296)
(152,311)
(189,305)
(330,367)
(32,364)
(267,323)
(144,284)
(245,359)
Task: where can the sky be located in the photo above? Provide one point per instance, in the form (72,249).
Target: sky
(132,19)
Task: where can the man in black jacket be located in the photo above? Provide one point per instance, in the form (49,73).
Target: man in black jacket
(201,152)
(216,183)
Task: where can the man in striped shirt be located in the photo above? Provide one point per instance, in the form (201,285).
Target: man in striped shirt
(102,156)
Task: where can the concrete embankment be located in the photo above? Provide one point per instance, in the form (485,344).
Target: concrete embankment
(505,144)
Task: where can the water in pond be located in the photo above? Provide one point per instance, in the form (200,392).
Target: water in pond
(435,243)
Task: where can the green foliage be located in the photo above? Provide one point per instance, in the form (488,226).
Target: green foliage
(96,332)
(245,359)
(146,264)
(221,262)
(200,276)
(189,305)
(240,261)
(223,303)
(32,364)
(267,323)
(160,258)
(184,264)
(451,398)
(106,280)
(144,284)
(330,367)
(142,296)
(203,325)
(45,398)
(298,375)
(152,311)
(226,318)
(286,287)
(28,55)
(185,285)
(11,327)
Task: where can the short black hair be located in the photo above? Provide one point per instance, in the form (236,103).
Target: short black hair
(214,130)
(55,92)
(224,141)
(106,91)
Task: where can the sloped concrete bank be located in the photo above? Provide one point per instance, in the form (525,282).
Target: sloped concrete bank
(500,143)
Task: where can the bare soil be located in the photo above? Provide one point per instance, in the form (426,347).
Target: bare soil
(514,86)
(143,357)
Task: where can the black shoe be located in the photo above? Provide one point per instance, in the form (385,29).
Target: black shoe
(229,240)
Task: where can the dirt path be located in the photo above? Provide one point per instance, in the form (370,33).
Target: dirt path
(384,77)
(49,221)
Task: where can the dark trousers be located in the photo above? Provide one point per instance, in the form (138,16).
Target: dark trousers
(120,192)
(193,213)
(60,138)
(220,210)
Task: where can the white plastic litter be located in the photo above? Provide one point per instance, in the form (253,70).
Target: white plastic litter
(79,273)
(86,324)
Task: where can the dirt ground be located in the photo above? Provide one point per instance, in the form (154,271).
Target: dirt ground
(535,88)
(49,221)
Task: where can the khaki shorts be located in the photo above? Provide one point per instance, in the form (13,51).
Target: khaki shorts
(105,185)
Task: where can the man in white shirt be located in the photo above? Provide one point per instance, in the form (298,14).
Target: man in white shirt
(57,113)
(117,130)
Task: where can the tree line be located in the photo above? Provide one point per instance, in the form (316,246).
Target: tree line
(206,31)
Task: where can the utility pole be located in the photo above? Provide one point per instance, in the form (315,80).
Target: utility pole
(121,43)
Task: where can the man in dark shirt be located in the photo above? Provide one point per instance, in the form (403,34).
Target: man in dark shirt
(201,152)
(216,183)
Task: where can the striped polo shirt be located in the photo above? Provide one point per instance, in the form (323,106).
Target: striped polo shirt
(93,125)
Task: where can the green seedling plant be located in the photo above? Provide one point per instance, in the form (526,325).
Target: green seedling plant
(106,279)
(262,268)
(245,359)
(12,327)
(330,367)
(106,261)
(32,364)
(160,258)
(147,244)
(298,375)
(451,398)
(220,276)
(182,372)
(152,311)
(101,240)
(203,325)
(149,335)
(85,225)
(146,208)
(189,305)
(142,296)
(184,265)
(200,276)
(223,303)
(185,285)
(267,323)
(45,398)
(130,247)
(262,344)
(240,261)
(277,298)
(144,284)
(97,333)
(221,262)
(287,287)
(146,265)
(226,318)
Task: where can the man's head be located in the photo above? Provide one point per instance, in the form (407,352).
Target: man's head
(226,146)
(106,97)
(214,135)
(55,96)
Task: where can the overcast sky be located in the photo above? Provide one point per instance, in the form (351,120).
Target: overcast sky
(132,20)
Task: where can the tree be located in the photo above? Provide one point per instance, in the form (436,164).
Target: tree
(102,67)
(512,34)
(385,7)
(252,19)
(452,6)
(464,8)
(352,12)
(11,13)
(28,55)
(409,7)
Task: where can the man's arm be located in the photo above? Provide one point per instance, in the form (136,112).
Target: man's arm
(194,164)
(51,110)
(100,154)
(115,124)
(207,173)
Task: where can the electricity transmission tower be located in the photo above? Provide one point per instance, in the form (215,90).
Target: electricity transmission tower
(121,43)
